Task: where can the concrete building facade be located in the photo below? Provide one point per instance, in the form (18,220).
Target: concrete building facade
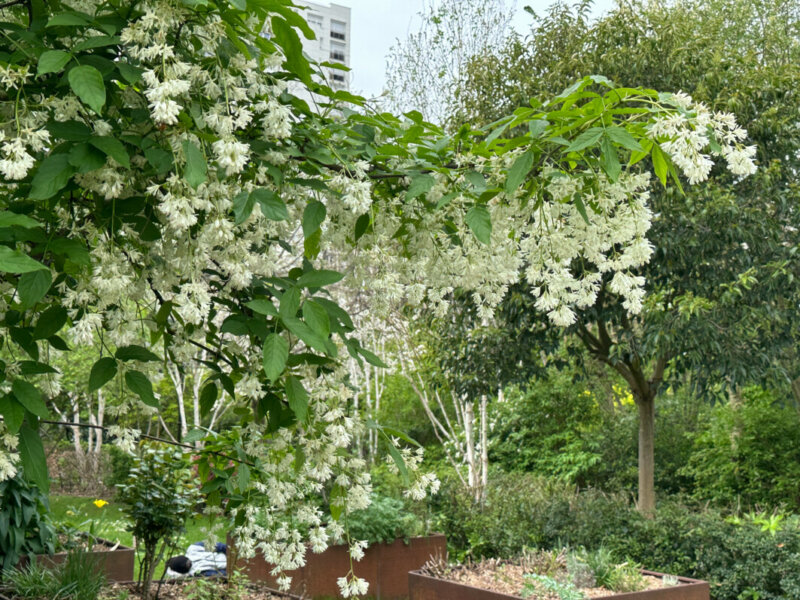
(331,24)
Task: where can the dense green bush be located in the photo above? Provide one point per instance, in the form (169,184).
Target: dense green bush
(25,529)
(741,559)
(385,520)
(749,453)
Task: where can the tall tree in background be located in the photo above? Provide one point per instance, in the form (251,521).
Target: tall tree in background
(723,282)
(424,71)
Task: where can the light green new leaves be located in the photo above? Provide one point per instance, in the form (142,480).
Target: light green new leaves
(275,355)
(87,83)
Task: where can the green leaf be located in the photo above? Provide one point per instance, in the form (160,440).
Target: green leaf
(13,413)
(134,352)
(208,397)
(372,358)
(52,61)
(50,322)
(316,317)
(196,167)
(609,159)
(30,397)
(52,175)
(272,207)
(130,73)
(313,216)
(243,204)
(262,307)
(103,371)
(292,47)
(9,219)
(290,302)
(309,337)
(98,41)
(519,171)
(32,457)
(275,355)
(420,184)
(88,85)
(623,138)
(320,278)
(297,396)
(67,18)
(398,459)
(33,286)
(581,208)
(240,4)
(660,164)
(586,139)
(537,127)
(480,223)
(140,385)
(113,148)
(195,435)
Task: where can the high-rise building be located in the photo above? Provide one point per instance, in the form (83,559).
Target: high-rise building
(331,24)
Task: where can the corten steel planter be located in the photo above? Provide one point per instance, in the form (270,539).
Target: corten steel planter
(425,587)
(117,564)
(384,566)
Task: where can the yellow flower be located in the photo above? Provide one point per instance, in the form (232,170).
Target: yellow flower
(99,503)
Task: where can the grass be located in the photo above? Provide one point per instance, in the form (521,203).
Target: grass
(111,523)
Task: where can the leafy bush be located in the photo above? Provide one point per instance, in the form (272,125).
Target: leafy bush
(385,520)
(526,511)
(25,529)
(120,466)
(160,494)
(749,453)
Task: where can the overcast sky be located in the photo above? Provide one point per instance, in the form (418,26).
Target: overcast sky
(376,24)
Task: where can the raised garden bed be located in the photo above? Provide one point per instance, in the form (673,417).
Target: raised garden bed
(115,560)
(189,588)
(384,566)
(507,580)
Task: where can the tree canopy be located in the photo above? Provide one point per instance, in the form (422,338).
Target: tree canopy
(161,181)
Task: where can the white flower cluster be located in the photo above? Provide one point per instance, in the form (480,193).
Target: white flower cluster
(16,161)
(9,459)
(685,136)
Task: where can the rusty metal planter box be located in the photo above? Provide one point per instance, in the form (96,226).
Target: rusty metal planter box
(117,564)
(384,566)
(425,587)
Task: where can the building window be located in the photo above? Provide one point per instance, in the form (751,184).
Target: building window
(315,22)
(338,30)
(338,78)
(338,51)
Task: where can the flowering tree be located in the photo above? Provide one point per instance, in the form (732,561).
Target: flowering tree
(723,284)
(158,171)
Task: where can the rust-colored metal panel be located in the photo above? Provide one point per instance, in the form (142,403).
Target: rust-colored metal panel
(117,564)
(384,566)
(424,587)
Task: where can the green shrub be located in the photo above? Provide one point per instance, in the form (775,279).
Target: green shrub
(384,520)
(25,528)
(526,511)
(749,454)
(160,494)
